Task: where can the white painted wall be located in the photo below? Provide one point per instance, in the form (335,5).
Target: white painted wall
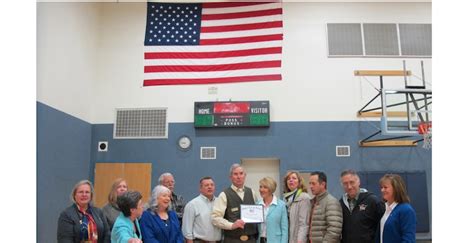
(67,56)
(314,87)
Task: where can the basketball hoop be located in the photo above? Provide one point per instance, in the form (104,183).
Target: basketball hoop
(424,128)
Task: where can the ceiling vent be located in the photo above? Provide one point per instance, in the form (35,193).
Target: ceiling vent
(141,123)
(208,152)
(343,151)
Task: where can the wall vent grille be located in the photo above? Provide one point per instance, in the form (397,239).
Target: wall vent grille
(415,39)
(379,40)
(208,153)
(141,123)
(343,151)
(345,39)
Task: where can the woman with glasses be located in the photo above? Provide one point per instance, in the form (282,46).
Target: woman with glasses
(82,222)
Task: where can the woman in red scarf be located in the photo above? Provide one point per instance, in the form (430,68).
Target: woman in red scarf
(82,222)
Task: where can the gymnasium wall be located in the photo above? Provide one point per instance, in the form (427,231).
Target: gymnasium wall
(66,45)
(90,62)
(63,159)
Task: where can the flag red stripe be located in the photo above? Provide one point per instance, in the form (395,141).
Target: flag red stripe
(265,25)
(211,68)
(229,4)
(217,54)
(151,82)
(248,14)
(237,40)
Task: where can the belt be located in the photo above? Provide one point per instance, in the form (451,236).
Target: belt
(202,241)
(243,237)
(263,239)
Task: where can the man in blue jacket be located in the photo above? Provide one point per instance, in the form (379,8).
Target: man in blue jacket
(361,210)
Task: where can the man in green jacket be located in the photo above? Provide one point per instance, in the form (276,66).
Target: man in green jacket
(326,212)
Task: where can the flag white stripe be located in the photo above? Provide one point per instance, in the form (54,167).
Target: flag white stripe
(241,9)
(244,33)
(212,61)
(212,48)
(252,20)
(219,74)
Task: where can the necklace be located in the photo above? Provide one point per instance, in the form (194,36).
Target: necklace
(165,221)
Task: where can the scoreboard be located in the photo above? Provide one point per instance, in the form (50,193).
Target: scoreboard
(232,114)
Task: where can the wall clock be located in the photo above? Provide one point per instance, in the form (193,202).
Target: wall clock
(184,143)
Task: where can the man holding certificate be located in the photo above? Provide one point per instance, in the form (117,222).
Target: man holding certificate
(227,211)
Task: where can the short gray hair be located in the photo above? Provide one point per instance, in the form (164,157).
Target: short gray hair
(349,172)
(80,183)
(235,166)
(162,177)
(157,191)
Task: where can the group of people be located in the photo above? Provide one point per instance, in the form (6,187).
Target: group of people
(359,216)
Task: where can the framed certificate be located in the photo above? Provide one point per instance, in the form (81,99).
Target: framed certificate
(251,213)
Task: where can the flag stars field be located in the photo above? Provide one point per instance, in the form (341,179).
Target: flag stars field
(212,43)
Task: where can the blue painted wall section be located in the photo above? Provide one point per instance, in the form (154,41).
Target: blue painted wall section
(299,146)
(63,158)
(67,153)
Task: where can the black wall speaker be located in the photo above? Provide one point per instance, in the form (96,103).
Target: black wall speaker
(103,146)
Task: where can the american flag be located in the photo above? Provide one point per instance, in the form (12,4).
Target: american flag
(203,43)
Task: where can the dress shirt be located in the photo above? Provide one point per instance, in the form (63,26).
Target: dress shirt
(220,206)
(265,212)
(197,221)
(388,211)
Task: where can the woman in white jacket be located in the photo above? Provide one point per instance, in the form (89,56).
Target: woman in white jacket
(299,206)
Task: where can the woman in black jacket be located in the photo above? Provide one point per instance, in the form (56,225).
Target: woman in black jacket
(82,222)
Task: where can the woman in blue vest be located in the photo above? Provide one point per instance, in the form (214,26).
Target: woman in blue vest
(274,228)
(158,224)
(398,224)
(126,228)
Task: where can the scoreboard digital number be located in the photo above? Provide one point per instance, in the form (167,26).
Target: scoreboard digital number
(232,114)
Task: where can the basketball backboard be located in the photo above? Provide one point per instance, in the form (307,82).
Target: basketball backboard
(404,109)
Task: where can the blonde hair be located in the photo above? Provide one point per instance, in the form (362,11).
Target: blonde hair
(300,179)
(269,183)
(400,194)
(80,183)
(113,190)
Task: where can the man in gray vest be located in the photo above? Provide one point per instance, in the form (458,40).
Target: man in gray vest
(226,211)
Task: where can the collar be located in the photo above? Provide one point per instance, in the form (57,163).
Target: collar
(389,208)
(320,196)
(207,199)
(346,196)
(295,193)
(274,201)
(88,210)
(237,189)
